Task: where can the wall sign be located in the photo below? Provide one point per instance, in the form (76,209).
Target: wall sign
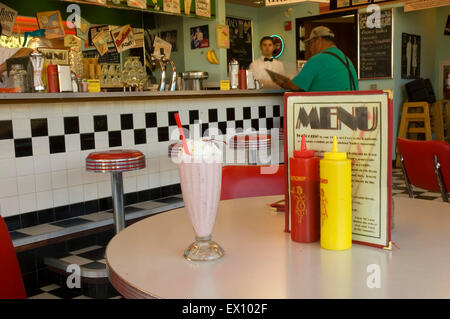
(375,51)
(278,43)
(362,122)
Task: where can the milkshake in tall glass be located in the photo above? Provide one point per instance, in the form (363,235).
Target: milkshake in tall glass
(201,181)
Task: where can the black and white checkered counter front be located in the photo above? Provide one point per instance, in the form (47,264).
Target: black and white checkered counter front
(45,139)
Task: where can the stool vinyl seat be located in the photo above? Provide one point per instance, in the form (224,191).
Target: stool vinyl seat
(251,141)
(115,161)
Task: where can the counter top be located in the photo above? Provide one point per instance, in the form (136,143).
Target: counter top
(57,97)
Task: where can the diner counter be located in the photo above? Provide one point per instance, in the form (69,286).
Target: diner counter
(40,97)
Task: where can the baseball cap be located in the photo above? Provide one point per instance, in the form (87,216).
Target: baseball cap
(321,31)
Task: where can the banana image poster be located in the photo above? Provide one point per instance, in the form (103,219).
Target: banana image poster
(362,122)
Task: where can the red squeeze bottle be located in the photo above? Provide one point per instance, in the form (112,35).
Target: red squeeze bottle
(242,79)
(304,190)
(52,78)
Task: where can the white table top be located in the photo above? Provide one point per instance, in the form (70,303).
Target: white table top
(146,259)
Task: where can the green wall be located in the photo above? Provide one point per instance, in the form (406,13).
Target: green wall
(195,60)
(268,21)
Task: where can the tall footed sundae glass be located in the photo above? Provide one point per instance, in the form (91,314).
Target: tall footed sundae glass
(201,179)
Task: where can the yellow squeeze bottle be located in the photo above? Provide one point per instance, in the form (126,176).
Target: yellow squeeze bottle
(335,200)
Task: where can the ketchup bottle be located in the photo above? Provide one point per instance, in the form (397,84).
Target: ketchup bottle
(52,78)
(243,79)
(304,194)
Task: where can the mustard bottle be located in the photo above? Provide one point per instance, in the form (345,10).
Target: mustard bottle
(335,200)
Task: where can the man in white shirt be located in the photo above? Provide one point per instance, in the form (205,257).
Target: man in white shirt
(266,61)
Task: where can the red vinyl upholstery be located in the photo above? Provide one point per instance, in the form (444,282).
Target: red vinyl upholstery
(247,181)
(418,158)
(11,283)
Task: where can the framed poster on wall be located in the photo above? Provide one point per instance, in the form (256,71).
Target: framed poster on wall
(362,122)
(241,41)
(411,49)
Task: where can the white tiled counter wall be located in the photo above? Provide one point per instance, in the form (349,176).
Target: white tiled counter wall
(41,180)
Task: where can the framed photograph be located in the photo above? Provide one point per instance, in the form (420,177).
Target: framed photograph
(362,123)
(411,49)
(171,37)
(241,41)
(56,56)
(52,23)
(200,37)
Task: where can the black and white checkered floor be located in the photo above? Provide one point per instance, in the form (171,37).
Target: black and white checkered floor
(399,188)
(92,257)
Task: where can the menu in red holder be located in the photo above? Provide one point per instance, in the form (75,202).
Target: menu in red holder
(362,122)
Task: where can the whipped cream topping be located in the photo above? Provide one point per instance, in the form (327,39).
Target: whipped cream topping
(201,151)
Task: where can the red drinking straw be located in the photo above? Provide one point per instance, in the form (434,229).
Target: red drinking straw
(183,138)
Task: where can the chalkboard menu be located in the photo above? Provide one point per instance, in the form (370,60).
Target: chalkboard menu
(241,47)
(375,45)
(110,57)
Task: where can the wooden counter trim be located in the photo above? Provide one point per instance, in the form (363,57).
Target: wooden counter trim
(30,98)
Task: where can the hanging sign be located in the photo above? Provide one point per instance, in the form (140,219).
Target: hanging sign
(203,8)
(8,19)
(362,122)
(172,6)
(123,38)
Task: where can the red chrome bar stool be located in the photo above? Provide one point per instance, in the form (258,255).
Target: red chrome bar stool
(175,149)
(252,144)
(116,162)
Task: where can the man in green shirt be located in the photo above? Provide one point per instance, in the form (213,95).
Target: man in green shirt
(327,70)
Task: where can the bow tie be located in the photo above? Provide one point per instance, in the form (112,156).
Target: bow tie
(267,59)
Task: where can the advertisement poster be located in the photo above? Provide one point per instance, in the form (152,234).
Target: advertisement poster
(200,37)
(159,44)
(123,38)
(171,37)
(52,23)
(223,36)
(8,18)
(203,8)
(141,4)
(172,6)
(362,123)
(101,42)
